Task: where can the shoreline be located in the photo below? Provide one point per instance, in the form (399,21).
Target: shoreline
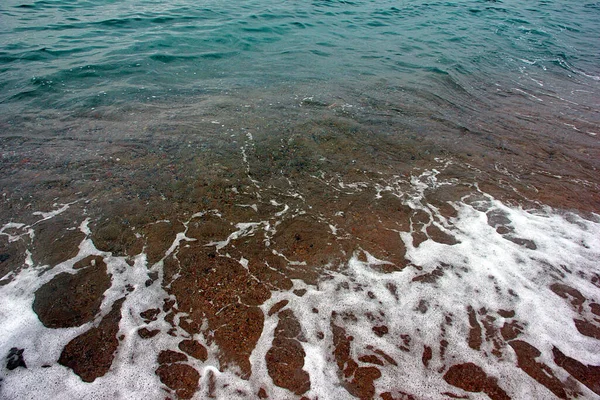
(202,237)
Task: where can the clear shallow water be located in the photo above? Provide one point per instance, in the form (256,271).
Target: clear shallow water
(72,53)
(327,199)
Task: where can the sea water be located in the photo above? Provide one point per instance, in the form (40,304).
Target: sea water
(76,54)
(414,183)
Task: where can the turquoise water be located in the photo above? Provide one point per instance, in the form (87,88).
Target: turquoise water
(63,54)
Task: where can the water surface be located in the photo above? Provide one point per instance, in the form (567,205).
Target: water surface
(329,199)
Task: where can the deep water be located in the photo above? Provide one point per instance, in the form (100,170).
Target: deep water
(69,54)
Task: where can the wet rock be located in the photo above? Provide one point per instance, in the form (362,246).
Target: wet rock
(115,236)
(277,306)
(397,395)
(150,315)
(300,292)
(566,292)
(303,239)
(587,328)
(511,330)
(380,330)
(285,360)
(90,261)
(503,230)
(526,360)
(423,306)
(468,377)
(288,326)
(362,385)
(342,351)
(146,333)
(431,277)
(506,313)
(181,378)
(70,300)
(90,354)
(383,355)
(472,378)
(208,228)
(358,381)
(529,244)
(159,237)
(427,356)
(221,290)
(475,339)
(240,328)
(15,359)
(170,356)
(370,359)
(589,375)
(12,258)
(194,349)
(439,236)
(497,218)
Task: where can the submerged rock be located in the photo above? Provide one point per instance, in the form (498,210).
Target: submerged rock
(90,354)
(70,300)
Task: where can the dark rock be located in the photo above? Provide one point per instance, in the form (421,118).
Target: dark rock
(15,359)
